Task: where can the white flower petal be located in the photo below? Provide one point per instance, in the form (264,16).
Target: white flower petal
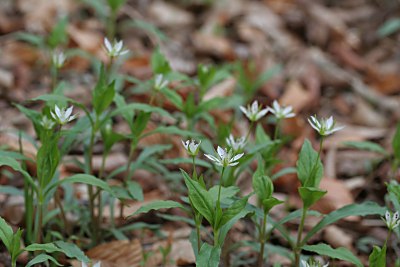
(98,264)
(237,157)
(276,105)
(221,152)
(211,157)
(108,45)
(329,123)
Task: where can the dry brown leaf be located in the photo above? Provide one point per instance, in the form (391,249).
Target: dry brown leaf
(296,96)
(336,237)
(119,253)
(338,196)
(213,45)
(168,15)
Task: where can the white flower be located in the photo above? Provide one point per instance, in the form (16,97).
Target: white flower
(392,220)
(160,82)
(225,158)
(191,147)
(236,144)
(58,59)
(47,123)
(254,112)
(62,115)
(98,264)
(325,126)
(281,112)
(312,264)
(115,49)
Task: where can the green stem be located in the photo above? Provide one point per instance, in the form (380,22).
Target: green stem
(297,249)
(90,187)
(262,241)
(194,166)
(249,131)
(128,175)
(220,186)
(277,127)
(217,208)
(198,237)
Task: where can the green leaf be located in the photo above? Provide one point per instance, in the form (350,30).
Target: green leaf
(172,130)
(396,143)
(208,256)
(135,190)
(103,94)
(58,34)
(159,63)
(378,257)
(262,185)
(156,205)
(366,145)
(309,170)
(10,190)
(366,208)
(226,193)
(269,203)
(84,179)
(48,247)
(6,233)
(310,195)
(72,251)
(339,253)
(47,160)
(200,198)
(42,258)
(174,97)
(233,210)
(141,107)
(12,163)
(389,27)
(227,226)
(115,4)
(33,39)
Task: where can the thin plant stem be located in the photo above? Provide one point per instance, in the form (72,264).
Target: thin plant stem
(277,129)
(128,174)
(262,240)
(196,214)
(90,187)
(297,249)
(63,217)
(217,207)
(249,131)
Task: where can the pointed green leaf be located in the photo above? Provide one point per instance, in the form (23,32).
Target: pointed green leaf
(209,256)
(6,233)
(156,205)
(396,143)
(48,247)
(378,257)
(262,185)
(233,210)
(200,198)
(366,208)
(309,170)
(338,253)
(366,145)
(269,203)
(42,258)
(72,251)
(310,195)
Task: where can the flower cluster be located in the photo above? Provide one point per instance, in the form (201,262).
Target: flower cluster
(392,220)
(115,49)
(324,126)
